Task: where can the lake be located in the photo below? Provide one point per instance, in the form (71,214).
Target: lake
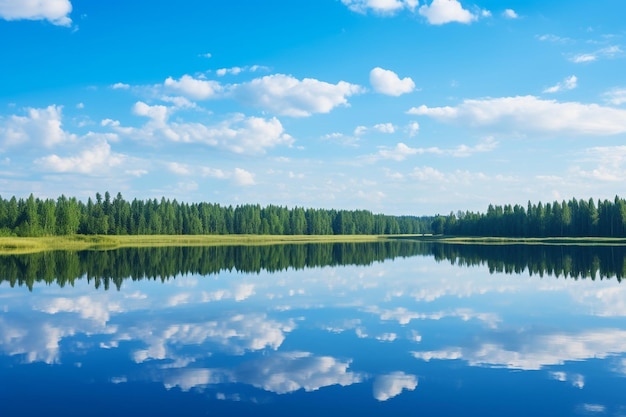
(391,328)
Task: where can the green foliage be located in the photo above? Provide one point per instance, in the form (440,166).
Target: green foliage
(575,218)
(106,216)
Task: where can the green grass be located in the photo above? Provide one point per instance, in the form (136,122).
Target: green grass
(20,245)
(511,240)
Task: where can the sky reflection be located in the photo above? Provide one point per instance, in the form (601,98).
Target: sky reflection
(394,328)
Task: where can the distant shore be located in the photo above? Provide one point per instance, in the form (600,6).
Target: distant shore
(24,245)
(20,245)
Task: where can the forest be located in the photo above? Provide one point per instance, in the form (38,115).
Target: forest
(573,218)
(105,215)
(116,216)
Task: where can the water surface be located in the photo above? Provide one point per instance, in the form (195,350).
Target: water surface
(366,329)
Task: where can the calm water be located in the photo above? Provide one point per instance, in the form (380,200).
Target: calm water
(400,328)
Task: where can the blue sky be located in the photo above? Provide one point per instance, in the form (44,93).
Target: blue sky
(395,106)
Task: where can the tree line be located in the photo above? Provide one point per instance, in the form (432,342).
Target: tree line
(105,215)
(573,218)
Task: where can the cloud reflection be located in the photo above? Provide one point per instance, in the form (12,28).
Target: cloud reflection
(533,352)
(286,372)
(392,385)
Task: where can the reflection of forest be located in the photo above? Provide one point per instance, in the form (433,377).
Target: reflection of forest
(569,261)
(104,268)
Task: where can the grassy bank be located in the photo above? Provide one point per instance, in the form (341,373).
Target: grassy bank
(18,245)
(512,240)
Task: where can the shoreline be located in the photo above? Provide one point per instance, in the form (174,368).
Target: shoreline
(26,245)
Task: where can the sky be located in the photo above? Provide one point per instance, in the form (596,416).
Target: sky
(401,107)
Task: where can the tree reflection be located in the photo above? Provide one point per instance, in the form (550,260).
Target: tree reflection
(106,269)
(568,261)
(111,268)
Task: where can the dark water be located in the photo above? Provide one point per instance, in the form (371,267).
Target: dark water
(399,328)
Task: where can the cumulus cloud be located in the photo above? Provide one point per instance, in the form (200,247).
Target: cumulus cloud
(387,82)
(233,71)
(120,86)
(392,385)
(510,14)
(531,114)
(399,153)
(44,125)
(381,7)
(94,159)
(440,12)
(243,177)
(568,83)
(178,168)
(55,11)
(385,128)
(237,134)
(288,96)
(194,88)
(413,129)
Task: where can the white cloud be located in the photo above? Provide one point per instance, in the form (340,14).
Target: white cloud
(413,129)
(178,168)
(213,172)
(510,14)
(381,7)
(55,11)
(387,82)
(233,71)
(568,83)
(553,38)
(399,153)
(610,164)
(616,96)
(402,151)
(532,114)
(608,52)
(243,177)
(96,159)
(431,175)
(445,11)
(385,128)
(39,125)
(194,88)
(237,134)
(359,130)
(120,86)
(286,95)
(392,385)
